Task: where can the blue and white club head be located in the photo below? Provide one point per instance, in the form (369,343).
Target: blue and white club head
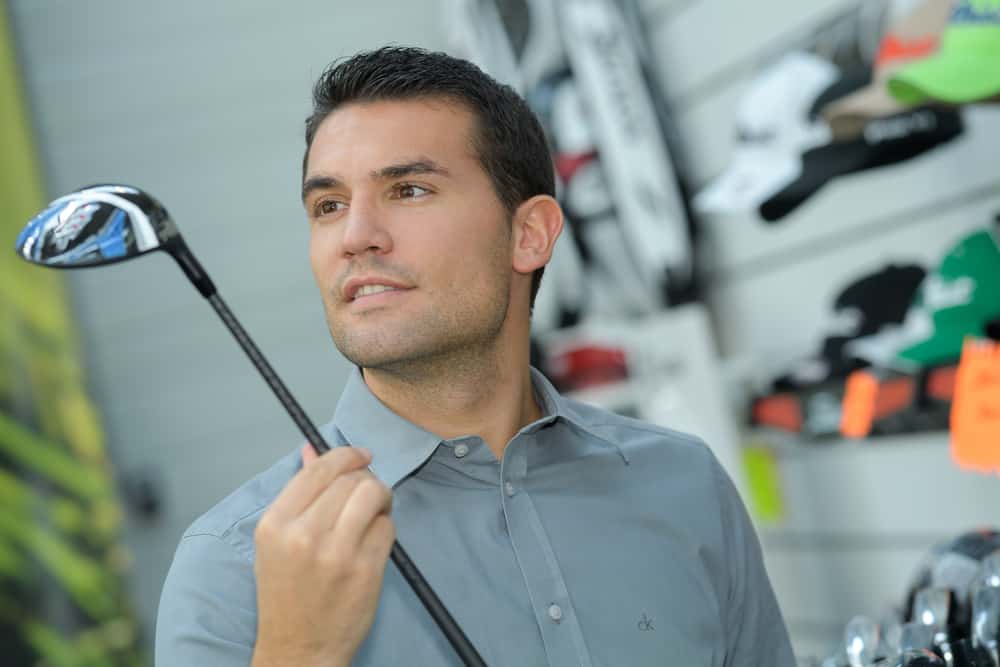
(100,224)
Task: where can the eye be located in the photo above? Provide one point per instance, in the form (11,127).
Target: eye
(328,206)
(409,191)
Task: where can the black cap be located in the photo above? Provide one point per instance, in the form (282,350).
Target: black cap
(884,141)
(878,299)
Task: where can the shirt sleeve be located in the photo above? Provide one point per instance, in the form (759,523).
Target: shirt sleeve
(755,630)
(208,607)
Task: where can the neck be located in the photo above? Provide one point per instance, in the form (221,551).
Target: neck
(480,392)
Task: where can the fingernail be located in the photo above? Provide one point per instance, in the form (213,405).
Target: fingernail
(365,452)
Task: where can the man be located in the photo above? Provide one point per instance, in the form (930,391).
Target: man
(555,533)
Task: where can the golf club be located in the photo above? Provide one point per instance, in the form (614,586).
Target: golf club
(890,630)
(861,641)
(105,224)
(932,607)
(988,575)
(986,620)
(915,636)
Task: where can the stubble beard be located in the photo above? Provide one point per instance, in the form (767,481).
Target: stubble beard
(461,335)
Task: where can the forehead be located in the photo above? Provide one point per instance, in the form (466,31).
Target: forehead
(368,135)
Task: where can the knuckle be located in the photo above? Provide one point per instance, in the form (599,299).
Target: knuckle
(349,483)
(298,541)
(314,472)
(373,486)
(384,496)
(358,476)
(370,491)
(348,456)
(386,528)
(332,560)
(266,529)
(339,462)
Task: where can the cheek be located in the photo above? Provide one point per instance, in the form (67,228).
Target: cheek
(464,256)
(322,243)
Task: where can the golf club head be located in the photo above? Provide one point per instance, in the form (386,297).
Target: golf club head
(915,636)
(986,618)
(891,631)
(105,224)
(861,641)
(988,575)
(97,225)
(932,607)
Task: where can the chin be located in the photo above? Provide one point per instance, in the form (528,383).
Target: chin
(397,354)
(377,348)
(418,339)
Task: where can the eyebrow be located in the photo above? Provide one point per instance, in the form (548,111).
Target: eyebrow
(400,170)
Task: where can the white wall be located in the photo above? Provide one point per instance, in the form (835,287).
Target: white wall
(202,104)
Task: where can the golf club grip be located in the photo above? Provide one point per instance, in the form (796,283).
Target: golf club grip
(456,637)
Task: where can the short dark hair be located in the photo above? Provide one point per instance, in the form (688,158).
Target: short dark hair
(508,138)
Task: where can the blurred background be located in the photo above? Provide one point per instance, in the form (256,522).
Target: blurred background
(783,223)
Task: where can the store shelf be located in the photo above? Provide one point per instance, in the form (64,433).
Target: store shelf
(905,485)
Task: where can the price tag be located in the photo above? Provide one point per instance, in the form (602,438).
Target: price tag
(975,411)
(869,399)
(764,477)
(858,408)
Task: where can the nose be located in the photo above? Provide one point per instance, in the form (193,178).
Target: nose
(364,230)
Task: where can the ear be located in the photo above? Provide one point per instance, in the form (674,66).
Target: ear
(537,224)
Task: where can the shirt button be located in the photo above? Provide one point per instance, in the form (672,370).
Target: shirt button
(461,450)
(508,488)
(555,612)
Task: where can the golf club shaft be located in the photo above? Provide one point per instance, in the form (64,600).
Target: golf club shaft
(459,641)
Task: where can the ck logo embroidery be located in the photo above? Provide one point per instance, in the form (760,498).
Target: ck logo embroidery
(645,623)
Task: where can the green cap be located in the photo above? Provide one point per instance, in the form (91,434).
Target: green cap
(966,66)
(960,297)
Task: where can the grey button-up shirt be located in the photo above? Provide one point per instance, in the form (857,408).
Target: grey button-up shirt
(597,541)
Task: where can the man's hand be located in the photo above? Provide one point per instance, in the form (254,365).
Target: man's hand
(322,549)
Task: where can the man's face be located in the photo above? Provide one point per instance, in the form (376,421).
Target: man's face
(409,243)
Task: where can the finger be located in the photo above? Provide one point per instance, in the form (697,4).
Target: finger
(309,453)
(312,479)
(369,499)
(323,513)
(377,542)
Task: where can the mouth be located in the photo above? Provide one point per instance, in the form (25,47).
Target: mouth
(375,296)
(372,290)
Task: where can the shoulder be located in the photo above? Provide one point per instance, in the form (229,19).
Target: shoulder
(234,518)
(637,438)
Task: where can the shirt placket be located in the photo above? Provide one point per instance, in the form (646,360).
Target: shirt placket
(555,616)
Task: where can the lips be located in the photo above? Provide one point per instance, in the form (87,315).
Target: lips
(356,288)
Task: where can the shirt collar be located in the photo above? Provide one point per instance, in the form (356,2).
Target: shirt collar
(556,406)
(400,446)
